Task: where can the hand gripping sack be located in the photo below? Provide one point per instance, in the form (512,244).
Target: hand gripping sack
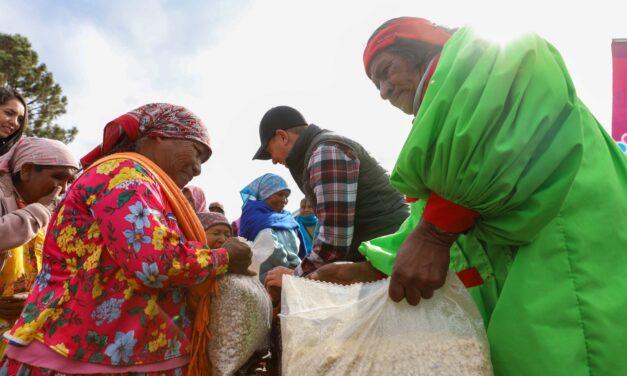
(329,329)
(241,315)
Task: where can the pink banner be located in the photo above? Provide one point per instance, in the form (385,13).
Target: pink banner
(619,108)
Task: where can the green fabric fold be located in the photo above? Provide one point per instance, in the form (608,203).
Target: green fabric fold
(501,131)
(489,114)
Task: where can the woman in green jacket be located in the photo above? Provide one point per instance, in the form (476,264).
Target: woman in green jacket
(520,191)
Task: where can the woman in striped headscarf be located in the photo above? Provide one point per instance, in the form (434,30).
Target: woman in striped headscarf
(33,174)
(125,252)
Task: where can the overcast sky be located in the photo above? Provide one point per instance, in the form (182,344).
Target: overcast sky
(229,61)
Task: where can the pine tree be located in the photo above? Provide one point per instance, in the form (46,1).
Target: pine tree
(20,69)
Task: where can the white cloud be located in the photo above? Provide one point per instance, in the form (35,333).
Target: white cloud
(231,61)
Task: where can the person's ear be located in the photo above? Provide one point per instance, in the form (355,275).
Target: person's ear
(26,173)
(282,135)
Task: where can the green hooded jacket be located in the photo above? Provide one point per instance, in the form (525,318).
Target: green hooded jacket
(502,131)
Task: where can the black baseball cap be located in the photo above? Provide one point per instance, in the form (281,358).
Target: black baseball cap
(280,117)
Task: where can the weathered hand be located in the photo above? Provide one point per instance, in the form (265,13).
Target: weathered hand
(346,273)
(240,257)
(274,278)
(421,264)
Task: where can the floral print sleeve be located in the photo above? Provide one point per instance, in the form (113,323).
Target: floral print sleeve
(115,272)
(143,235)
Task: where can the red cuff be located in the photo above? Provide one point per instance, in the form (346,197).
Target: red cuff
(447,215)
(470,277)
(381,275)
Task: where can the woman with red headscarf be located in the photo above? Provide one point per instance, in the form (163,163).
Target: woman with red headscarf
(124,256)
(521,192)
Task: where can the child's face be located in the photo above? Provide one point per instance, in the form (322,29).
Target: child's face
(217,235)
(305,208)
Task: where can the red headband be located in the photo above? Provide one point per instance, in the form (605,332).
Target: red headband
(404,28)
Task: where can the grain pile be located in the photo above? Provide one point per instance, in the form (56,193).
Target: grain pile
(439,355)
(240,322)
(329,329)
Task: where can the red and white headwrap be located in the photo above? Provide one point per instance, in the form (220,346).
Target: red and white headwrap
(37,151)
(412,28)
(151,120)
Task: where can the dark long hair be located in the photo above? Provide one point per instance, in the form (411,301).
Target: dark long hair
(6,94)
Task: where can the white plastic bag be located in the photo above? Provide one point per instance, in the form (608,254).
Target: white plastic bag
(330,329)
(263,248)
(241,315)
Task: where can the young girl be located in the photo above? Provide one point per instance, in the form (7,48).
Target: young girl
(308,223)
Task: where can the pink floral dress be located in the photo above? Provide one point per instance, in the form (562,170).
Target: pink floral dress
(115,272)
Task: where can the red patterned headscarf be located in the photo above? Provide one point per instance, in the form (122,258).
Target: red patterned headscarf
(412,28)
(151,120)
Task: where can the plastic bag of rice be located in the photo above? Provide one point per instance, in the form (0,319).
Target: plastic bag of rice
(241,316)
(329,329)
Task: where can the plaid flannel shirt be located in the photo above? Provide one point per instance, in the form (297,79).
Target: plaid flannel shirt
(333,172)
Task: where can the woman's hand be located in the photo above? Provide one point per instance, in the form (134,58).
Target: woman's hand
(421,264)
(274,278)
(240,257)
(50,200)
(346,273)
(11,306)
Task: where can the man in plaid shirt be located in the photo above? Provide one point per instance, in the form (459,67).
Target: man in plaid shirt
(349,190)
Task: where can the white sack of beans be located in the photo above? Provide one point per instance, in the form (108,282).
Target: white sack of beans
(241,315)
(328,329)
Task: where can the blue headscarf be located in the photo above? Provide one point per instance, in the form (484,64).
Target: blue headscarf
(263,187)
(257,215)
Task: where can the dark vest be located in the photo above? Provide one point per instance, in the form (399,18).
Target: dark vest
(379,208)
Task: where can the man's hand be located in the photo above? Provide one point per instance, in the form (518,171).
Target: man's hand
(11,306)
(240,257)
(274,278)
(421,264)
(346,273)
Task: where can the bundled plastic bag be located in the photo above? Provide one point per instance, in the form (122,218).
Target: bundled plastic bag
(241,316)
(329,329)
